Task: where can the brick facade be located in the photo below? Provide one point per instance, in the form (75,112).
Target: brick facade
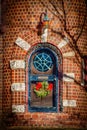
(20,20)
(1,74)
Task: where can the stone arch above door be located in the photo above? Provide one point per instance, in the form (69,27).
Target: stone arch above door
(29,38)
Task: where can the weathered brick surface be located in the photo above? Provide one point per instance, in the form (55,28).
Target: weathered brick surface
(1,74)
(20,19)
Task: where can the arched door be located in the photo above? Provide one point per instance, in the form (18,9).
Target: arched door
(43,81)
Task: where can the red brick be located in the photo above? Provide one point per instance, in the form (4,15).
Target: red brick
(20,19)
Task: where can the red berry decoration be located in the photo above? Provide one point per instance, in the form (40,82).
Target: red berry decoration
(42,89)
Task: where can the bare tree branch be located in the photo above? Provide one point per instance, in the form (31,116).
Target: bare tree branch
(82,27)
(60,17)
(66,32)
(48,7)
(64,15)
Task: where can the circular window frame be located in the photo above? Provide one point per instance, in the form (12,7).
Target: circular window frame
(41,63)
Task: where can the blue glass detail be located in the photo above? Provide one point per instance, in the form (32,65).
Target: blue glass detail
(46,18)
(43,62)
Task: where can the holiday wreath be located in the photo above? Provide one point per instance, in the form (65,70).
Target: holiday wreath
(42,89)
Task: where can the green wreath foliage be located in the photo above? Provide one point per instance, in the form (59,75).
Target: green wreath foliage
(42,89)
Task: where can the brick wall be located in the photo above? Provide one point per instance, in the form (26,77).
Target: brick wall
(1,74)
(1,64)
(20,20)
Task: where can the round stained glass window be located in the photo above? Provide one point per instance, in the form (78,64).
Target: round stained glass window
(42,62)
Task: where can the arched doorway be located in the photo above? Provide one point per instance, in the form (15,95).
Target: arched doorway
(43,80)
